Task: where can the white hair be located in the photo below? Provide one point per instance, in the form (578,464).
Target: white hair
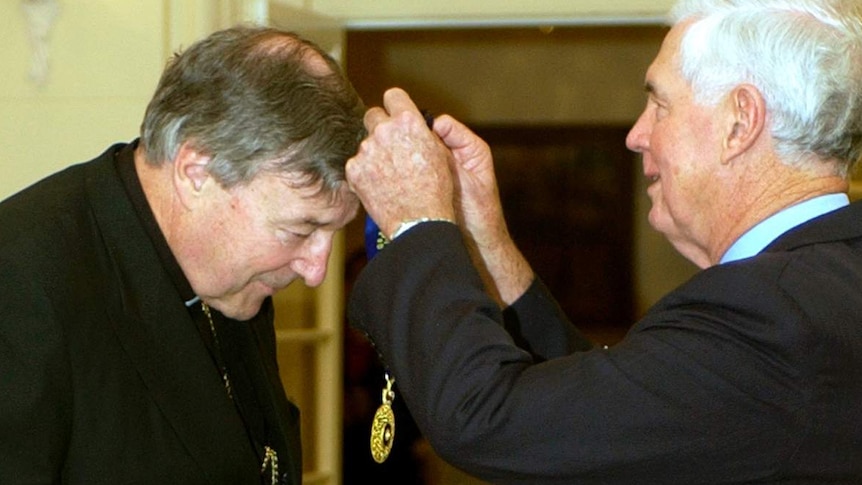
(805,57)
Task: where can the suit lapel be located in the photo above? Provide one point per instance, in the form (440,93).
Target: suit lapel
(160,338)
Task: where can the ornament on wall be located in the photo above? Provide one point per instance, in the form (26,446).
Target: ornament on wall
(40,15)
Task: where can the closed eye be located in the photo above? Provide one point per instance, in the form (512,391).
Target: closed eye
(287,236)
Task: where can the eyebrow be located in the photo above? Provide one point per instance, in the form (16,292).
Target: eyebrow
(317,223)
(654,91)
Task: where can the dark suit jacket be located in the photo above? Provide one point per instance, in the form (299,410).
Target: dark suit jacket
(751,372)
(104,378)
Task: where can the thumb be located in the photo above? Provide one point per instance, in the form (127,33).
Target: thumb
(467,147)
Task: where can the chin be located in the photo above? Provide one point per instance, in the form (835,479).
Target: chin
(654,220)
(242,312)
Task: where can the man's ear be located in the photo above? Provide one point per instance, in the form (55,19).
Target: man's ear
(189,173)
(747,117)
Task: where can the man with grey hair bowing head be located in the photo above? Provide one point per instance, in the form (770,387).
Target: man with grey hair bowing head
(751,372)
(137,338)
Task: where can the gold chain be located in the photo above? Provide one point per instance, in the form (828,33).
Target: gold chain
(270,458)
(224,375)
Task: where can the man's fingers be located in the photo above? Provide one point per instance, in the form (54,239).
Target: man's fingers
(460,139)
(397,101)
(373,117)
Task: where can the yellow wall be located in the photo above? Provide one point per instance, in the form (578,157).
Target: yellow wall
(105,58)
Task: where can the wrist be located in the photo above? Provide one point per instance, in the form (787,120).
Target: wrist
(409,224)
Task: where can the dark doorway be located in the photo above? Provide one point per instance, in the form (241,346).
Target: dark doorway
(567,197)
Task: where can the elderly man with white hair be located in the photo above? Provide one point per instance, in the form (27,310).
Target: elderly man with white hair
(750,372)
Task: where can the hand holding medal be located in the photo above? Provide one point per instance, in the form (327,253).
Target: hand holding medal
(383,424)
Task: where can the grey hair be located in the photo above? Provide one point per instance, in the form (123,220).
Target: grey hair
(805,57)
(256,99)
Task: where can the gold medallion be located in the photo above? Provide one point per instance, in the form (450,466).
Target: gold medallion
(383,425)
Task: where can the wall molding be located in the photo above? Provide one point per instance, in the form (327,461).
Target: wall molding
(41,15)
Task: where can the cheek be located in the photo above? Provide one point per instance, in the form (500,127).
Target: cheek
(248,259)
(273,257)
(678,159)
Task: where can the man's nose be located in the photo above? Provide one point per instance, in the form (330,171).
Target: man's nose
(638,138)
(312,265)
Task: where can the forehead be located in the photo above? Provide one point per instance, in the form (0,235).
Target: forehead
(291,196)
(670,46)
(665,68)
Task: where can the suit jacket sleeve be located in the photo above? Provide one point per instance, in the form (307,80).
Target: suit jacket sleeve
(537,324)
(35,410)
(655,406)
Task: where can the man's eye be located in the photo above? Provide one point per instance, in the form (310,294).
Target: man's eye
(286,236)
(660,111)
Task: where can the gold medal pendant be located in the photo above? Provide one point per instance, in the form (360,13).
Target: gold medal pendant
(383,426)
